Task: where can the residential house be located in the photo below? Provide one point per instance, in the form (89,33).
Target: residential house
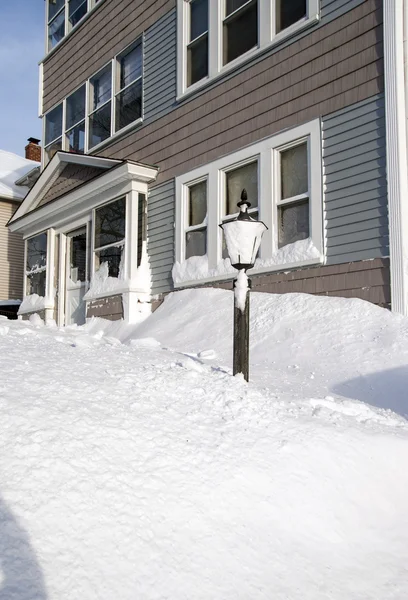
(157,113)
(17,174)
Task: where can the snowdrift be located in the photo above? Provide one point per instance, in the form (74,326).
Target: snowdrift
(142,469)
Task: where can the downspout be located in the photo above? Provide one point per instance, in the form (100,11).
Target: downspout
(395,71)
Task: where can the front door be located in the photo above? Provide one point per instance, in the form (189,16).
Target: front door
(76,277)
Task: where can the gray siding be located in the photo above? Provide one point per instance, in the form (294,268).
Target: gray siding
(160,68)
(160,235)
(355,182)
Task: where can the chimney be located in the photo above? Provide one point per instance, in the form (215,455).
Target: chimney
(33,150)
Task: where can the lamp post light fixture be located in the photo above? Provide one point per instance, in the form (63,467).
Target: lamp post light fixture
(243,237)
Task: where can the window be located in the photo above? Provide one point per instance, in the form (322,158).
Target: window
(109,236)
(196,230)
(107,103)
(129,96)
(214,36)
(293,202)
(36,264)
(283,179)
(63,15)
(240,28)
(197,49)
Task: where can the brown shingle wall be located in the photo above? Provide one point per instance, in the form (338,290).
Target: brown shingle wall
(368,280)
(114,25)
(71,177)
(334,66)
(110,308)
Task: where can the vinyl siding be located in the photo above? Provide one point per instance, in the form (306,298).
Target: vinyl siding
(354,171)
(11,256)
(160,235)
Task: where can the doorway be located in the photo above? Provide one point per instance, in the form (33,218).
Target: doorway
(76,283)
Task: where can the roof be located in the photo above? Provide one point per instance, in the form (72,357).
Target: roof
(13,168)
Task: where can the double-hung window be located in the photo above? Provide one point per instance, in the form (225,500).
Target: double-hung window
(282,176)
(216,35)
(62,16)
(36,264)
(106,104)
(109,237)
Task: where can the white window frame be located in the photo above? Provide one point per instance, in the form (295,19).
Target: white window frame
(267,152)
(267,36)
(68,28)
(114,63)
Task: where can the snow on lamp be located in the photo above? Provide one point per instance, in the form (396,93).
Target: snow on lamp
(243,236)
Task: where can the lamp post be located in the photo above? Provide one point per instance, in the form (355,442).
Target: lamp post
(243,237)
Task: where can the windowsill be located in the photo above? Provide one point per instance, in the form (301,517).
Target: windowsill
(71,32)
(248,56)
(116,136)
(252,272)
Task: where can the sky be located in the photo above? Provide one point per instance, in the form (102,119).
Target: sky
(21,48)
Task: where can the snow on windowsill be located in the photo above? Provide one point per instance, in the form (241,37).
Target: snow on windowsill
(196,268)
(33,303)
(102,285)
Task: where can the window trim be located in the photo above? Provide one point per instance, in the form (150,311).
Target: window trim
(113,63)
(267,152)
(267,38)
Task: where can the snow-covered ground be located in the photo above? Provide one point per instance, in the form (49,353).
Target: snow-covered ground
(133,465)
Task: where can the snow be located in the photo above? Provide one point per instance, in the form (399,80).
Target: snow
(133,465)
(12,168)
(31,303)
(197,267)
(102,284)
(241,290)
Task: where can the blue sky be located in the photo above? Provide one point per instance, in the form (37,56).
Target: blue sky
(21,48)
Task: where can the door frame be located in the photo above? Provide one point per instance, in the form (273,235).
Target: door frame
(63,257)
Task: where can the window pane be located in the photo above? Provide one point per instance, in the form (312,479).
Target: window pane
(54,6)
(129,105)
(36,283)
(75,107)
(245,177)
(197,203)
(36,252)
(52,149)
(112,256)
(102,87)
(56,30)
(196,243)
(233,5)
(198,18)
(100,125)
(53,124)
(110,223)
(241,32)
(78,257)
(197,60)
(288,13)
(76,138)
(131,66)
(293,223)
(294,171)
(77,9)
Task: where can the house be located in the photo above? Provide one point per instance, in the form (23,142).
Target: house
(157,113)
(17,174)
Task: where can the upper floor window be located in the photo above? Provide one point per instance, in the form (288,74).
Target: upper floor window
(107,103)
(62,16)
(214,36)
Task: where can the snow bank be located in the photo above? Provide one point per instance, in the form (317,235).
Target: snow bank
(145,470)
(12,168)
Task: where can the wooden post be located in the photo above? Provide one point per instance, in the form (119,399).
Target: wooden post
(241,336)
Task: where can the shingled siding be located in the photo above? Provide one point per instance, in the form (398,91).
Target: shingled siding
(71,177)
(160,235)
(355,182)
(332,67)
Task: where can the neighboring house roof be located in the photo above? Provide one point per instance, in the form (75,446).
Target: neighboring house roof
(16,175)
